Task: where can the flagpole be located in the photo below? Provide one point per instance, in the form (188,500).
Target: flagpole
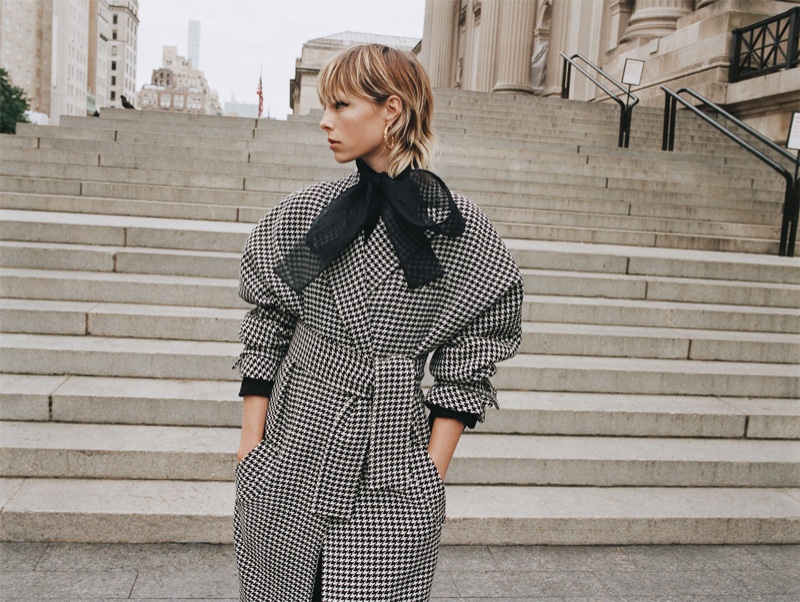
(260,91)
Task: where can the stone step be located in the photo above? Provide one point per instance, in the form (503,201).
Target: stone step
(42,226)
(265,138)
(107,451)
(549,193)
(655,262)
(623,312)
(187,291)
(542,182)
(574,227)
(130,207)
(184,402)
(565,226)
(99,510)
(571,281)
(154,358)
(458,150)
(208,324)
(139,192)
(181,210)
(453,169)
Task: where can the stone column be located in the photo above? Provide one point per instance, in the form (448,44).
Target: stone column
(515,46)
(620,14)
(656,18)
(487,45)
(438,40)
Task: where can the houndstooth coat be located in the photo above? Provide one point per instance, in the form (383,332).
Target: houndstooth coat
(343,471)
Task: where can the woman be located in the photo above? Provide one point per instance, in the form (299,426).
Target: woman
(356,284)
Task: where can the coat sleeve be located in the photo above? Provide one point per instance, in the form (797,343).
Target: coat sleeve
(267,329)
(462,366)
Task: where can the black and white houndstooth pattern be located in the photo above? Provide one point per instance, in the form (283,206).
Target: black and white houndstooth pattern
(343,470)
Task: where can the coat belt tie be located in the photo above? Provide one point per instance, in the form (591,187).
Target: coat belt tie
(379,459)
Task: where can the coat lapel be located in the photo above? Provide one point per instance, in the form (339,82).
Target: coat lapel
(380,259)
(346,278)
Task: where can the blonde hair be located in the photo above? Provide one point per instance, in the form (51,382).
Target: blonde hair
(376,72)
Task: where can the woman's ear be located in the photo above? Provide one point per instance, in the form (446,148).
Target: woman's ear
(394,107)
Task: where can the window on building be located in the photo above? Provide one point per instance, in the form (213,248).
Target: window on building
(113,80)
(115,19)
(113,65)
(113,51)
(113,95)
(114,35)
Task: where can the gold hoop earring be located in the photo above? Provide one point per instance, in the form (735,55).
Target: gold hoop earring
(389,141)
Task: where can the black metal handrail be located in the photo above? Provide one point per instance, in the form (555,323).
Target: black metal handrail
(767,46)
(626,107)
(791,199)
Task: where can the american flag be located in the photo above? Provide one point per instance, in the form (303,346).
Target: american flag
(260,93)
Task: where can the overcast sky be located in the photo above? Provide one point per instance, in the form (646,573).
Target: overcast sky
(237,35)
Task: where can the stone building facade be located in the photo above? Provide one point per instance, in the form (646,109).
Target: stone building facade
(70,56)
(513,46)
(123,45)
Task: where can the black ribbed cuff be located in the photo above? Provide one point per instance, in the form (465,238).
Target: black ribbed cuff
(469,420)
(256,386)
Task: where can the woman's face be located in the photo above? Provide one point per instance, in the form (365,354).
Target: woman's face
(355,131)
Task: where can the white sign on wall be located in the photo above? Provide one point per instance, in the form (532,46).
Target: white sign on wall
(632,74)
(793,141)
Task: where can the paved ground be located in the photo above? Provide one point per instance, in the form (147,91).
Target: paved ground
(183,572)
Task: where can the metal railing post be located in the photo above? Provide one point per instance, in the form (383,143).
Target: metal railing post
(626,108)
(794,41)
(672,117)
(791,197)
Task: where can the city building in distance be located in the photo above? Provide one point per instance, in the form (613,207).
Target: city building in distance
(193,46)
(234,108)
(178,87)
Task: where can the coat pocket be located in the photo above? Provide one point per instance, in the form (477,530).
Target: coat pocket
(432,487)
(255,471)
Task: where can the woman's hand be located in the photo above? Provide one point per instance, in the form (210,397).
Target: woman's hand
(254,414)
(444,437)
(246,445)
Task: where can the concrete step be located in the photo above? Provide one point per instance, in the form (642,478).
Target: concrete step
(655,262)
(453,168)
(128,207)
(623,312)
(139,192)
(184,402)
(182,210)
(571,281)
(142,231)
(208,324)
(187,291)
(155,358)
(47,449)
(495,152)
(289,182)
(99,510)
(658,343)
(645,376)
(219,236)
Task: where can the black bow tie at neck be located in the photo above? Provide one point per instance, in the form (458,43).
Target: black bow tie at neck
(407,205)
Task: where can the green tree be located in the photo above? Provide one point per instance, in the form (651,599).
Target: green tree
(13,104)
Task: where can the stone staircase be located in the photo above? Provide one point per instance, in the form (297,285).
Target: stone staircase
(654,400)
